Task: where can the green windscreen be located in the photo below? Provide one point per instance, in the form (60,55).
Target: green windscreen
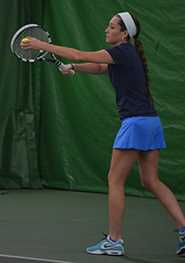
(58,131)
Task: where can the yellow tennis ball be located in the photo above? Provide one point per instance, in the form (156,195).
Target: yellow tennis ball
(24,39)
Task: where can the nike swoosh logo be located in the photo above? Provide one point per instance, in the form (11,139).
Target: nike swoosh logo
(182,238)
(107,245)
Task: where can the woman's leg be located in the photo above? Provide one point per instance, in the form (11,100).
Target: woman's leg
(121,164)
(148,166)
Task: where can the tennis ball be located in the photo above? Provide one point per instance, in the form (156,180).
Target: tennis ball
(24,39)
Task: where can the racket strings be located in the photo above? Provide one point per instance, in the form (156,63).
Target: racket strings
(35,32)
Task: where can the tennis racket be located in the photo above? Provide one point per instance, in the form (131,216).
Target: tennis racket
(36,31)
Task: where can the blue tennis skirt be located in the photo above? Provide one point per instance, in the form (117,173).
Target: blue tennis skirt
(141,133)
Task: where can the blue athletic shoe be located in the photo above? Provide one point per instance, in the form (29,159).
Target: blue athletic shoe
(107,247)
(181,248)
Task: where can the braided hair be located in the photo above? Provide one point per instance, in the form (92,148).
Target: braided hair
(139,48)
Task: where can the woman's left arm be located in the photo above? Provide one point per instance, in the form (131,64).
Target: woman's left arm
(101,56)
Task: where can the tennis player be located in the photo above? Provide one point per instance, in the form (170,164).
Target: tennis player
(141,134)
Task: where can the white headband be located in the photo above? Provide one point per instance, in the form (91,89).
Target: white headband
(129,23)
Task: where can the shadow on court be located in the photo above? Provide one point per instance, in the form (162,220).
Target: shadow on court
(56,226)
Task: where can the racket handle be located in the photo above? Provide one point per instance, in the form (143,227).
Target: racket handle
(62,66)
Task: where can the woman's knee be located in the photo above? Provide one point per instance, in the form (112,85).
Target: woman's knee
(149,184)
(116,179)
(145,184)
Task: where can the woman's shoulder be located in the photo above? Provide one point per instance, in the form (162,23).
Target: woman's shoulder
(126,46)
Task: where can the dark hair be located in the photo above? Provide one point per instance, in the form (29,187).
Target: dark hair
(139,48)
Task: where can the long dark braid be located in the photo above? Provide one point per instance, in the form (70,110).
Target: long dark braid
(139,48)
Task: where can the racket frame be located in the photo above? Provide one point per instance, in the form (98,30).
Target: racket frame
(58,63)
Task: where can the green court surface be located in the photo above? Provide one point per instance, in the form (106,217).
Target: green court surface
(56,226)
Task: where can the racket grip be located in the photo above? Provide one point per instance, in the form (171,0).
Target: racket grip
(62,66)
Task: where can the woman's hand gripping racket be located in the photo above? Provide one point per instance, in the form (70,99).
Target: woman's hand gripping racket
(35,31)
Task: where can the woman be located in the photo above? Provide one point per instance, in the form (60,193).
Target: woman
(140,136)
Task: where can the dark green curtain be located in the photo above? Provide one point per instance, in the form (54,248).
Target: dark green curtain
(19,101)
(58,131)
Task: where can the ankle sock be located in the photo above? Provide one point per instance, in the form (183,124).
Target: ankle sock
(182,230)
(112,240)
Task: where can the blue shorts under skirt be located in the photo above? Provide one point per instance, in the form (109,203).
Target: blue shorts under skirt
(141,133)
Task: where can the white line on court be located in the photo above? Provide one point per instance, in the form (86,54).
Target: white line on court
(35,259)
